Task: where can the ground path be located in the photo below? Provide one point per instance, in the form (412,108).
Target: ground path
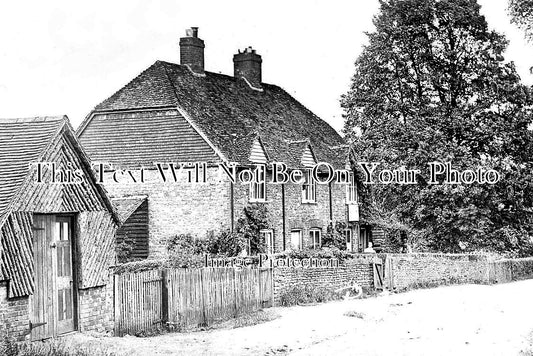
(454,320)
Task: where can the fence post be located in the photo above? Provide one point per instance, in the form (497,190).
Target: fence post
(235,293)
(164,298)
(202,289)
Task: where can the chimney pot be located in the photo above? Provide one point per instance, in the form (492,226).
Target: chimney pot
(192,51)
(194,32)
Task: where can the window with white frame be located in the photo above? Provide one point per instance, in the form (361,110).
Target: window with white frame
(296,239)
(351,190)
(267,237)
(309,188)
(315,236)
(258,187)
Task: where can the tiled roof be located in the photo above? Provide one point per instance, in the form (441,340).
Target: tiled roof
(126,206)
(25,141)
(227,111)
(22,141)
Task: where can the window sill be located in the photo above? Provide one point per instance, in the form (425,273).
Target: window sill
(310,202)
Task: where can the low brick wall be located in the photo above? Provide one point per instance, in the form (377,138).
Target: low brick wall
(359,269)
(95,312)
(507,270)
(418,270)
(14,315)
(96,309)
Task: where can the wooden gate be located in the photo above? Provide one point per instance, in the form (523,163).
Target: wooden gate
(53,307)
(184,298)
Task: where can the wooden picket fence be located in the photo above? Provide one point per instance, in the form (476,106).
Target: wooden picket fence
(184,298)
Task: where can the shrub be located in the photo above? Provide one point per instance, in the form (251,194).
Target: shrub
(124,248)
(326,252)
(253,220)
(186,251)
(8,347)
(306,294)
(334,236)
(226,243)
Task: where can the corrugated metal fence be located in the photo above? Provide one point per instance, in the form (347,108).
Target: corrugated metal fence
(183,298)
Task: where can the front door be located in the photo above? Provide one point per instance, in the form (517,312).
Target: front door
(349,239)
(53,302)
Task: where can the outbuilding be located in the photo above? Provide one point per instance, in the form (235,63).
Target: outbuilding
(57,233)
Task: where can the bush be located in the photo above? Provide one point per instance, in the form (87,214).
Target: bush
(335,236)
(124,248)
(253,220)
(326,252)
(8,347)
(186,251)
(307,294)
(226,243)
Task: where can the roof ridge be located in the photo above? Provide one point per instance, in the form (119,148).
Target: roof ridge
(142,196)
(31,119)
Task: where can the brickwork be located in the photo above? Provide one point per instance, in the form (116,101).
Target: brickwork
(95,312)
(247,64)
(298,215)
(358,269)
(14,314)
(180,207)
(406,271)
(192,53)
(96,309)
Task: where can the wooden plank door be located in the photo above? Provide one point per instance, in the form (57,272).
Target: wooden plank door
(64,282)
(53,308)
(41,321)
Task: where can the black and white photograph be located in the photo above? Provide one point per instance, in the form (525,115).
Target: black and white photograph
(266,178)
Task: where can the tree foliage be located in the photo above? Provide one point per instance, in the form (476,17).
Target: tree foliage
(521,12)
(432,85)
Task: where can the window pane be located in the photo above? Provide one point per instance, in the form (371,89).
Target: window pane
(295,239)
(60,307)
(66,261)
(57,231)
(64,233)
(68,303)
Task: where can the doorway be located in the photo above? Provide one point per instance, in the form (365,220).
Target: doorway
(53,303)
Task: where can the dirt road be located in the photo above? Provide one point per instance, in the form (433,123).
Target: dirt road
(455,320)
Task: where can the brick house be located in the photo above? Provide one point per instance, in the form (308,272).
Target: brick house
(57,230)
(184,114)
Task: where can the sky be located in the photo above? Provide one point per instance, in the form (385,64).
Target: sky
(65,57)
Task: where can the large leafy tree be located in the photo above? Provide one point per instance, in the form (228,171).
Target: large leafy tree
(432,85)
(521,12)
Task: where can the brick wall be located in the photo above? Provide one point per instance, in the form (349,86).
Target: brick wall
(406,271)
(95,312)
(507,270)
(96,309)
(358,269)
(298,215)
(180,207)
(14,314)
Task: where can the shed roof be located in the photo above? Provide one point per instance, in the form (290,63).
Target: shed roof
(24,141)
(125,206)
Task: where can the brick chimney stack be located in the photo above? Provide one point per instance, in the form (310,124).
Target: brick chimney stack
(192,51)
(247,65)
